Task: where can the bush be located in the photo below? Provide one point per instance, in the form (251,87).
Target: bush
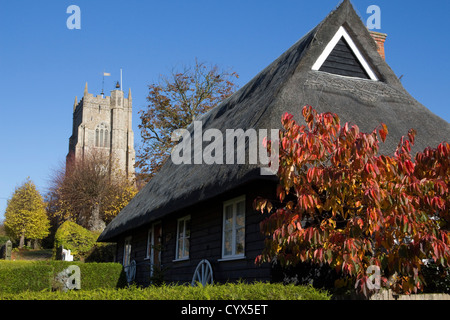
(94,275)
(19,276)
(437,278)
(101,252)
(75,238)
(230,291)
(3,240)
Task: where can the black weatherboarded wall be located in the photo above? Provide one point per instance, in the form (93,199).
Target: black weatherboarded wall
(205,241)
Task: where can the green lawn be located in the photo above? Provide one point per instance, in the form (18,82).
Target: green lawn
(30,254)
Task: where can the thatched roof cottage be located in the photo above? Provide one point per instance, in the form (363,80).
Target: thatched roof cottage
(189,213)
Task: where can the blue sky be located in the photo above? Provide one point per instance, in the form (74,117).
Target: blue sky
(44,65)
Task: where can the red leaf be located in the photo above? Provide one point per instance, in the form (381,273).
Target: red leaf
(411,135)
(383,132)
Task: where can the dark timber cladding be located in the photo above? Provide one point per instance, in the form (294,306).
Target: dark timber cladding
(205,241)
(343,61)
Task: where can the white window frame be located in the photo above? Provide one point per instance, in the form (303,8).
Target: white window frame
(127,251)
(330,46)
(184,237)
(233,255)
(150,242)
(150,249)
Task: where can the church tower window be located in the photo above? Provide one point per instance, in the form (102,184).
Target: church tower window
(96,137)
(102,136)
(106,138)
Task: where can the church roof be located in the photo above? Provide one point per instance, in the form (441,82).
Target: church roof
(286,85)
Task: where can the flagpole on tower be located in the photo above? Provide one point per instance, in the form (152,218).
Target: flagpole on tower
(103,82)
(121,86)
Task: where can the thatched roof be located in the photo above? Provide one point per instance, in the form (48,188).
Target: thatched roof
(287,85)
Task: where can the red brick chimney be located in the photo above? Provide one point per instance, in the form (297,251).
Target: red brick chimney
(379,38)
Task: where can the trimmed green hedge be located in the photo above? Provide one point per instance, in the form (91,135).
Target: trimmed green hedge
(18,276)
(34,280)
(240,291)
(95,275)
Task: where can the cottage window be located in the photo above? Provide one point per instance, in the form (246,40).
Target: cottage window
(183,235)
(233,238)
(127,252)
(149,243)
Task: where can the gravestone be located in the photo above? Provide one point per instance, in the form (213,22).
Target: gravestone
(66,255)
(59,252)
(8,250)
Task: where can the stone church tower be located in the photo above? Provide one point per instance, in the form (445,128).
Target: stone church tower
(103,124)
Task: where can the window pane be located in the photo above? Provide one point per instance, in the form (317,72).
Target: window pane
(149,244)
(186,248)
(240,214)
(240,220)
(106,138)
(240,240)
(180,228)
(180,249)
(127,252)
(227,243)
(240,207)
(187,228)
(228,217)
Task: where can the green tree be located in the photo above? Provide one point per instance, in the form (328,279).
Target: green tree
(174,103)
(25,216)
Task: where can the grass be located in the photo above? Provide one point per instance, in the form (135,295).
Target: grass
(32,254)
(229,291)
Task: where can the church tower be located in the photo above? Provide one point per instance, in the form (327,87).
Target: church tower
(104,124)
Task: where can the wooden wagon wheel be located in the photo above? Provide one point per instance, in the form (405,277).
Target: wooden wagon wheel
(203,273)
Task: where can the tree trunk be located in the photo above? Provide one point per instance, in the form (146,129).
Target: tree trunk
(95,222)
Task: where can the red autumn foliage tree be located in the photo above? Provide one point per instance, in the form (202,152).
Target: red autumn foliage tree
(353,208)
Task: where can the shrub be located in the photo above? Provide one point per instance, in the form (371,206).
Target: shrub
(342,203)
(19,276)
(437,278)
(101,252)
(230,291)
(94,275)
(75,238)
(3,240)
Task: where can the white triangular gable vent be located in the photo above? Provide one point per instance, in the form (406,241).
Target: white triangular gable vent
(356,55)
